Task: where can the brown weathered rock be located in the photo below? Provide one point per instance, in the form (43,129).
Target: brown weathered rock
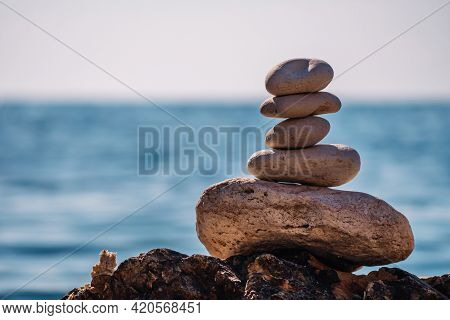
(396,284)
(286,274)
(297,133)
(440,283)
(106,265)
(165,274)
(298,76)
(269,277)
(325,165)
(300,105)
(241,216)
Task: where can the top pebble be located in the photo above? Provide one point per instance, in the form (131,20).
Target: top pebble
(298,76)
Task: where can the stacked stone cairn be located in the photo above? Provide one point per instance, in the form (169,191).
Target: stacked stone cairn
(289,205)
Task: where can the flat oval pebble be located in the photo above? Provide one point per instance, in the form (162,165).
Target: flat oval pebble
(326,165)
(300,105)
(298,76)
(297,133)
(244,216)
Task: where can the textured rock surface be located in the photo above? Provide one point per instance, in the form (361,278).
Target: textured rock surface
(244,215)
(326,165)
(440,283)
(106,265)
(395,284)
(298,76)
(166,274)
(297,133)
(300,105)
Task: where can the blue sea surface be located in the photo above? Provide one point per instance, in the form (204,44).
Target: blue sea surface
(69,182)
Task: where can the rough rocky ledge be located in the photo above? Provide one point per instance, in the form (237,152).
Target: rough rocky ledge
(166,274)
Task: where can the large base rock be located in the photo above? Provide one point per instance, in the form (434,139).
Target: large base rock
(166,274)
(243,215)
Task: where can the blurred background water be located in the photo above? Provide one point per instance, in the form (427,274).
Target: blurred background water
(68,171)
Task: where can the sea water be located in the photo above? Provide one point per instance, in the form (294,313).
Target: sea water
(70,183)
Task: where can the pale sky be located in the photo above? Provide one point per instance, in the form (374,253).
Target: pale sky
(207,49)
